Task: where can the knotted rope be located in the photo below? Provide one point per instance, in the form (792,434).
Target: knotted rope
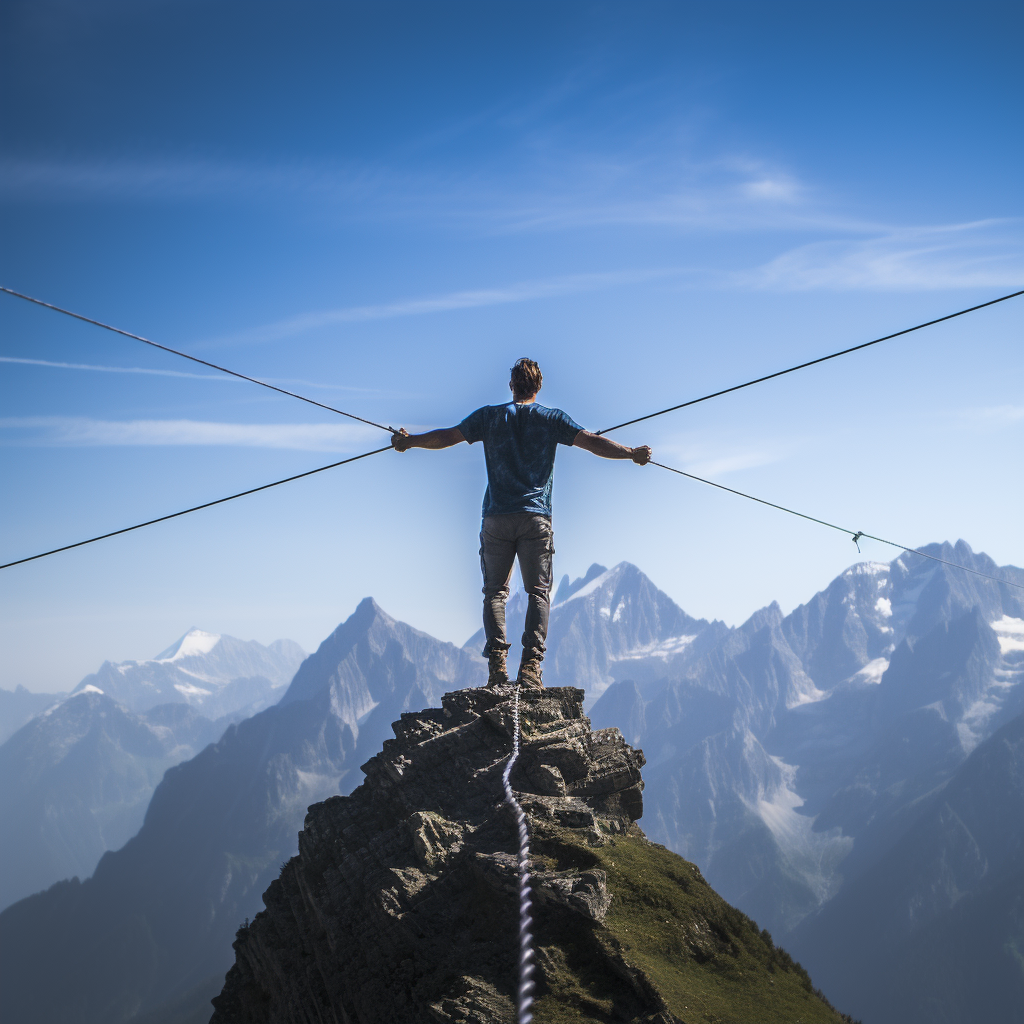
(524,995)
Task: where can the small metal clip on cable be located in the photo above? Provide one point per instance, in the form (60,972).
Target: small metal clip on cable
(856,538)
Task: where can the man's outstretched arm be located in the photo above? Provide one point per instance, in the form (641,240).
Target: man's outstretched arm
(609,449)
(444,437)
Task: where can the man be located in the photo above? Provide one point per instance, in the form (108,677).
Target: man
(520,440)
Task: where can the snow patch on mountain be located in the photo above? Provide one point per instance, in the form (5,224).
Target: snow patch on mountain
(664,649)
(871,674)
(981,715)
(214,673)
(594,585)
(816,855)
(804,692)
(188,691)
(868,569)
(1010,633)
(194,642)
(971,729)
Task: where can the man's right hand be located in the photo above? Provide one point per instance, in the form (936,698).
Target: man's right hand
(400,440)
(642,455)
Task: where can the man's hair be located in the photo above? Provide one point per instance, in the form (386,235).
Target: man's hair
(526,378)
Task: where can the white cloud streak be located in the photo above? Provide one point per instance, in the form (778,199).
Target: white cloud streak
(525,291)
(116,369)
(713,457)
(570,191)
(563,191)
(72,432)
(122,180)
(180,373)
(980,254)
(995,416)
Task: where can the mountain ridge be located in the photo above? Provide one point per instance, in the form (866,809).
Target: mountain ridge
(217,674)
(778,750)
(402,901)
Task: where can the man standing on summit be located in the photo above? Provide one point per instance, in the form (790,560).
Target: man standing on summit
(520,440)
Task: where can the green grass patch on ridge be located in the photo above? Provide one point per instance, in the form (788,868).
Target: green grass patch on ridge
(707,960)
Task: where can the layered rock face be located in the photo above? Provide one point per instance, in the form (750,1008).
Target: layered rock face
(401,904)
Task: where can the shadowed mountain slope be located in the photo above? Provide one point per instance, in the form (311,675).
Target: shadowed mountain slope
(938,922)
(157,917)
(76,781)
(837,724)
(19,706)
(788,757)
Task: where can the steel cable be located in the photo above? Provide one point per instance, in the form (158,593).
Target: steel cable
(524,991)
(855,534)
(812,362)
(195,508)
(195,359)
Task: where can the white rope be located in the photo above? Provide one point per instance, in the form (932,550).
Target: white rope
(524,997)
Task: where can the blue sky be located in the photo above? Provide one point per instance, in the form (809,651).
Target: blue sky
(383,205)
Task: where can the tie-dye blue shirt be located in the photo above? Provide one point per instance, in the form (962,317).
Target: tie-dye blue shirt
(519,448)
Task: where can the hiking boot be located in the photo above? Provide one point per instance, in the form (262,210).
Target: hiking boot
(529,673)
(497,671)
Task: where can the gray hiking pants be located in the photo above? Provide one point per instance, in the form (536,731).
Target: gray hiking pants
(504,538)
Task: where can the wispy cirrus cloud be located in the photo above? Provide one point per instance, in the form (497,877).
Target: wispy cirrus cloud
(524,291)
(562,190)
(169,178)
(978,254)
(74,431)
(566,191)
(713,456)
(291,381)
(984,254)
(993,417)
(115,369)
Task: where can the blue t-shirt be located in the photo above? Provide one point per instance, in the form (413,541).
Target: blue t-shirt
(519,449)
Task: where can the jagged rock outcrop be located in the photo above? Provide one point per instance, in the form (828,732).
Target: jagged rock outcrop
(401,904)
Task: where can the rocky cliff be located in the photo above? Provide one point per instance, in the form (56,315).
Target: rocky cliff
(401,903)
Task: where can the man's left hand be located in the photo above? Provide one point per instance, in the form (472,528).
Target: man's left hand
(642,455)
(400,440)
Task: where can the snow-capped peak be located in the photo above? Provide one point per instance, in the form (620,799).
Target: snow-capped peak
(88,689)
(595,584)
(194,642)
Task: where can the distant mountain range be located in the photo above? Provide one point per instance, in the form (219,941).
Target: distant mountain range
(75,780)
(216,831)
(217,675)
(834,737)
(607,623)
(849,775)
(19,706)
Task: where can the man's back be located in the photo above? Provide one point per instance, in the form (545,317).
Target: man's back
(520,440)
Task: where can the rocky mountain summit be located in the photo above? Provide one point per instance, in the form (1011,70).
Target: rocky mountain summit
(401,904)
